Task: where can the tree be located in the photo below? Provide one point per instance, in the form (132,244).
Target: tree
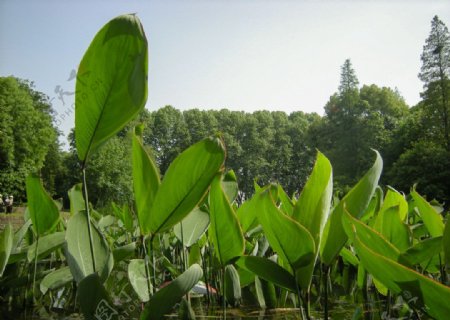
(349,81)
(26,132)
(435,73)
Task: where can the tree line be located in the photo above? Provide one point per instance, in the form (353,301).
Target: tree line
(262,146)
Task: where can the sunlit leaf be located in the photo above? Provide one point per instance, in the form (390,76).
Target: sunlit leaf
(356,201)
(230,185)
(138,278)
(389,223)
(422,251)
(6,245)
(225,232)
(77,203)
(194,225)
(43,212)
(185,184)
(431,218)
(111,86)
(46,245)
(146,181)
(78,251)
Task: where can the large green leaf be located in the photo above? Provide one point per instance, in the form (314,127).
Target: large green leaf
(56,279)
(45,245)
(111,87)
(372,238)
(389,223)
(6,245)
(356,201)
(233,292)
(124,252)
(43,211)
(138,278)
(247,214)
(94,300)
(78,251)
(125,215)
(77,203)
(163,301)
(422,251)
(268,270)
(431,218)
(287,237)
(230,185)
(312,209)
(420,291)
(193,227)
(185,184)
(225,231)
(146,181)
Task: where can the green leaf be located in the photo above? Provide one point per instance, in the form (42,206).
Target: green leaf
(312,209)
(94,300)
(138,278)
(6,245)
(163,301)
(356,201)
(286,204)
(431,218)
(394,198)
(124,252)
(78,251)
(349,257)
(124,214)
(77,203)
(247,213)
(233,292)
(193,226)
(269,271)
(43,211)
(111,87)
(230,185)
(391,226)
(56,279)
(185,184)
(146,181)
(225,231)
(372,238)
(417,289)
(46,245)
(20,234)
(422,251)
(287,237)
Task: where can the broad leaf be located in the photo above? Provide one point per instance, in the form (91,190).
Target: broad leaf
(138,278)
(225,231)
(43,211)
(185,184)
(124,252)
(372,238)
(389,223)
(230,185)
(420,291)
(146,181)
(77,203)
(111,87)
(56,279)
(288,238)
(312,209)
(46,245)
(6,245)
(94,300)
(193,227)
(233,292)
(163,301)
(422,251)
(356,201)
(268,270)
(247,214)
(286,204)
(431,218)
(78,251)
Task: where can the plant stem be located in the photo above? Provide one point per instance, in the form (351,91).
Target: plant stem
(224,306)
(153,262)
(300,307)
(35,266)
(147,271)
(86,205)
(327,270)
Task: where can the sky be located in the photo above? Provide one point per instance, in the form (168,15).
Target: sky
(242,55)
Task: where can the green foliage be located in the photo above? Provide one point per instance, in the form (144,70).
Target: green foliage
(78,249)
(43,211)
(165,298)
(111,85)
(192,227)
(6,245)
(27,134)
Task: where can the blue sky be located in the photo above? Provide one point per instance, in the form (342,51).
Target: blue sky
(242,55)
